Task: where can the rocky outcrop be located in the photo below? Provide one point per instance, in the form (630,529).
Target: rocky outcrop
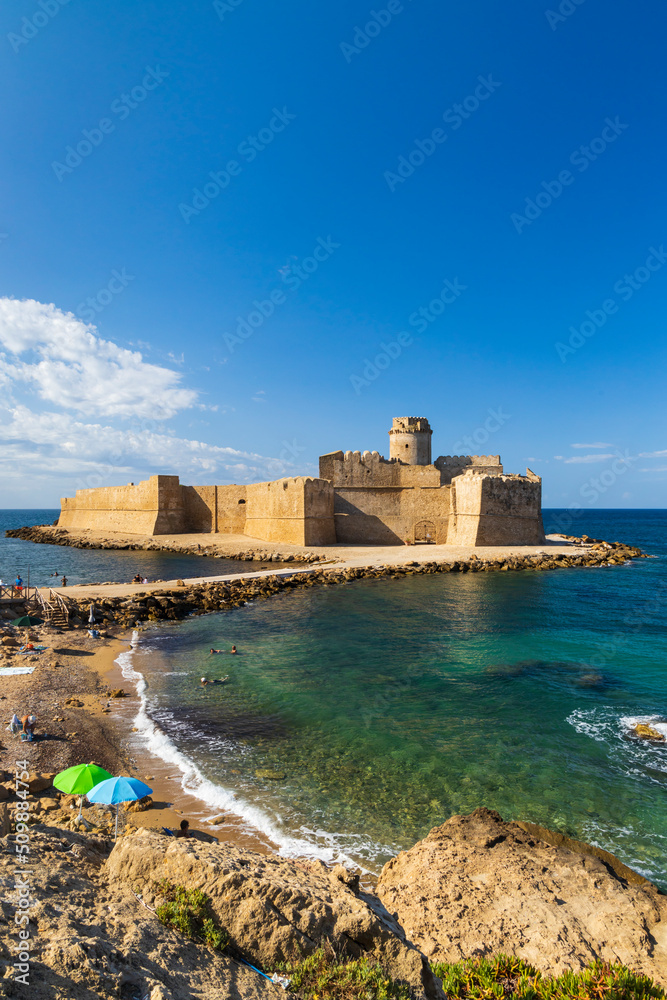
(274,909)
(478,886)
(646,732)
(93,938)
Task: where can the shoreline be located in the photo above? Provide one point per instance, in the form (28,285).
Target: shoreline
(176,599)
(109,723)
(171,802)
(97,729)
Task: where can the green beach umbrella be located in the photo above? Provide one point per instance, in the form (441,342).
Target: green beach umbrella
(26,620)
(80,779)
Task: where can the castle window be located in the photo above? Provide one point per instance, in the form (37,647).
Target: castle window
(241,501)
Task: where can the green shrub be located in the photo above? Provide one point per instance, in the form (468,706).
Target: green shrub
(189,911)
(507,978)
(326,976)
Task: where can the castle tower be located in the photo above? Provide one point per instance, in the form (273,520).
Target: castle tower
(410,440)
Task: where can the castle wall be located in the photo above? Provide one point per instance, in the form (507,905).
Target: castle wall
(455,465)
(360,498)
(214,509)
(496,510)
(150,507)
(368,468)
(389,515)
(298,511)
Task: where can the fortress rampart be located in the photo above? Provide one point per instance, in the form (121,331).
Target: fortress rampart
(359,498)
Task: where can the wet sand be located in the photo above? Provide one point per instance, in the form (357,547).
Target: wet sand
(99,730)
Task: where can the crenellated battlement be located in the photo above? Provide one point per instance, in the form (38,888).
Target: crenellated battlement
(360,497)
(467,460)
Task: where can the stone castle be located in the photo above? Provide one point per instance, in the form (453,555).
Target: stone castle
(360,498)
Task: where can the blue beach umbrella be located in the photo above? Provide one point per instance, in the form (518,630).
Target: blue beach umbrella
(116,790)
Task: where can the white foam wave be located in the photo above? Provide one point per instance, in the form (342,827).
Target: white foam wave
(326,846)
(635,757)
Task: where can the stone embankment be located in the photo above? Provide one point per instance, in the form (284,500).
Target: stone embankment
(52,535)
(184,600)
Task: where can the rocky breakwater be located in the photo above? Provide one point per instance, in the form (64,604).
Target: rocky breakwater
(478,886)
(188,599)
(275,909)
(51,534)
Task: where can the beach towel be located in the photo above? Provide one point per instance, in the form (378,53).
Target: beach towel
(13,671)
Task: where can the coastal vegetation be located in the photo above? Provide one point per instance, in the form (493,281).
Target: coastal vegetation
(189,911)
(327,976)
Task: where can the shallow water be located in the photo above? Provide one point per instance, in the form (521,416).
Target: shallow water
(357,717)
(39,562)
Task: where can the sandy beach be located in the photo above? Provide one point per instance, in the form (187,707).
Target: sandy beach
(97,728)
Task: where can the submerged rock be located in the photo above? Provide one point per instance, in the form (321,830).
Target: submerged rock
(269,774)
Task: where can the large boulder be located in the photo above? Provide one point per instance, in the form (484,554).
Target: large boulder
(274,909)
(40,782)
(478,886)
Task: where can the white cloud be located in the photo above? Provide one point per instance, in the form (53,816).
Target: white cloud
(653,454)
(589,458)
(69,365)
(599,444)
(89,385)
(656,468)
(66,444)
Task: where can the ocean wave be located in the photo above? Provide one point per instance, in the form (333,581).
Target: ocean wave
(304,842)
(639,759)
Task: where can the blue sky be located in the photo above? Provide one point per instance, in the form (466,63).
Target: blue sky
(216,219)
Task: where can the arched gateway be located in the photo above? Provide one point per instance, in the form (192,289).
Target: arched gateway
(424,533)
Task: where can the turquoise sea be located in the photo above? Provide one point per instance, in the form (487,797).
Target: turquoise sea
(358,717)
